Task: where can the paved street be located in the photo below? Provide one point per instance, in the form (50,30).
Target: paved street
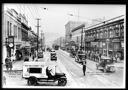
(94,78)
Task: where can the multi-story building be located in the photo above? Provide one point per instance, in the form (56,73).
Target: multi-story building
(11,27)
(69,27)
(78,36)
(14,29)
(106,38)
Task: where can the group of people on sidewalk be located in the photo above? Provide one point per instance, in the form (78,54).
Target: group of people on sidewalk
(96,56)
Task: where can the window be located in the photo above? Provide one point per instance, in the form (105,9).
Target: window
(114,30)
(15,30)
(122,30)
(7,28)
(101,34)
(19,33)
(111,31)
(98,35)
(35,70)
(10,32)
(117,30)
(108,35)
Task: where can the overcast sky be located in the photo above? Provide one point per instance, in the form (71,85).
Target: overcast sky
(56,16)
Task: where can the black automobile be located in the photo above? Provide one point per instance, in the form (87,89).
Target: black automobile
(40,55)
(72,53)
(53,56)
(26,58)
(35,76)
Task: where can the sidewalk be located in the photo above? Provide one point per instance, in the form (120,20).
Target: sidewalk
(17,65)
(119,64)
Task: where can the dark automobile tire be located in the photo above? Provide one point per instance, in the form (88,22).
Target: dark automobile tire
(62,82)
(32,81)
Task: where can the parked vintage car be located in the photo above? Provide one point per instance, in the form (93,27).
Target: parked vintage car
(53,56)
(73,53)
(40,55)
(106,64)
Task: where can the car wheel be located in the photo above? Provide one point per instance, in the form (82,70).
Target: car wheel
(32,81)
(62,82)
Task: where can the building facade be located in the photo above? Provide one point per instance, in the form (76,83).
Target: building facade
(78,36)
(106,38)
(68,33)
(14,30)
(11,28)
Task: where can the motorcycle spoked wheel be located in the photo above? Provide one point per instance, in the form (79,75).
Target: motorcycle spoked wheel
(62,82)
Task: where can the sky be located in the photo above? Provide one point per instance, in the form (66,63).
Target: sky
(54,18)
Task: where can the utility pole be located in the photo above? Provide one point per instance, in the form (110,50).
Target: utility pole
(37,33)
(82,39)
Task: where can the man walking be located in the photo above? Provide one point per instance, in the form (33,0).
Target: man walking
(7,62)
(84,65)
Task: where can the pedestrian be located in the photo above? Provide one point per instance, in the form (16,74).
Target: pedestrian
(84,65)
(30,54)
(7,62)
(4,78)
(33,57)
(10,64)
(13,57)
